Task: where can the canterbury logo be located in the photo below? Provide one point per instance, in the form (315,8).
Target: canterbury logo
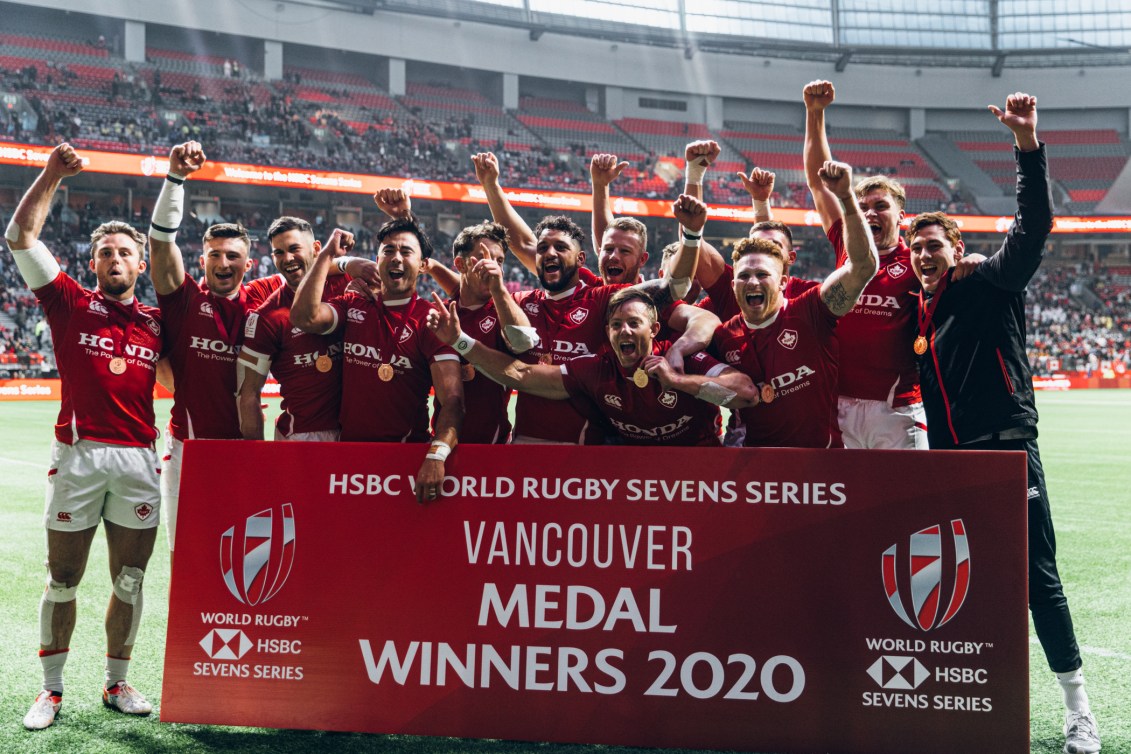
(355,315)
(256,563)
(926,570)
(99,308)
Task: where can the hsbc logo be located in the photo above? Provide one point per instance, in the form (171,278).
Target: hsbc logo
(899,673)
(355,315)
(98,308)
(923,589)
(577,316)
(256,557)
(613,400)
(788,339)
(732,357)
(487,324)
(896,269)
(249,325)
(225,644)
(667,399)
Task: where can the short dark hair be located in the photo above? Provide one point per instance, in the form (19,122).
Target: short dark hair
(747,246)
(563,224)
(941,219)
(287,223)
(628,295)
(777,225)
(471,235)
(117,226)
(228,230)
(406,225)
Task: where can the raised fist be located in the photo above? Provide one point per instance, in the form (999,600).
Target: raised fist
(486,168)
(702,153)
(837,177)
(759,184)
(818,94)
(604,169)
(394,202)
(185,159)
(64,161)
(691,213)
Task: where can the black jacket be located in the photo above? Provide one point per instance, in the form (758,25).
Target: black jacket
(975,376)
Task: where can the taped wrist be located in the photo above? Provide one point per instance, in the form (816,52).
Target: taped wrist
(439,451)
(520,338)
(168,210)
(761,207)
(37,265)
(344,262)
(695,171)
(679,286)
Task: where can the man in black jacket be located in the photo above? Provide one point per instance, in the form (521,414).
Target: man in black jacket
(978,387)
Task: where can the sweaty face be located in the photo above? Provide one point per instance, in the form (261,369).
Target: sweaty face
(116,262)
(758,282)
(779,239)
(883,215)
(557,259)
(622,256)
(932,254)
(225,262)
(477,285)
(631,330)
(398,264)
(293,253)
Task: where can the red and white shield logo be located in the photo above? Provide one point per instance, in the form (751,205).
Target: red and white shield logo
(577,316)
(667,399)
(896,269)
(487,324)
(143,510)
(788,339)
(925,566)
(406,333)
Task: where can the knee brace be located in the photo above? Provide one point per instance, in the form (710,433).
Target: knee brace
(127,588)
(55,592)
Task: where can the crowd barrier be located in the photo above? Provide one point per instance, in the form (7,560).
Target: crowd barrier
(762,600)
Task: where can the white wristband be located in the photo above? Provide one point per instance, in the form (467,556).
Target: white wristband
(439,451)
(343,263)
(691,243)
(168,210)
(464,343)
(695,172)
(761,207)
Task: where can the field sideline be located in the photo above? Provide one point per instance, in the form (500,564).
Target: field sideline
(1085,436)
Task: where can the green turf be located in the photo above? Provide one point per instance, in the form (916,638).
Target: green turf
(1084,440)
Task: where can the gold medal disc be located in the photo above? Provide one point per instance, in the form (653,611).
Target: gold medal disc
(768,394)
(640,378)
(117,365)
(385,372)
(920,346)
(323,363)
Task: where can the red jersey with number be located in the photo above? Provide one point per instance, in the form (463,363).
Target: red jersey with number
(720,295)
(378,336)
(649,415)
(570,324)
(878,334)
(89,331)
(796,352)
(204,332)
(487,417)
(311,397)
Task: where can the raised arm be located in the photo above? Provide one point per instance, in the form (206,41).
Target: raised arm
(729,388)
(27,221)
(698,327)
(698,157)
(250,395)
(166,265)
(818,95)
(448,384)
(309,312)
(760,185)
(603,170)
(515,325)
(521,239)
(842,288)
(543,380)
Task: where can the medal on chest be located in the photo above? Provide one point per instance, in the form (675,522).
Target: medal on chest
(386,372)
(640,378)
(117,365)
(323,363)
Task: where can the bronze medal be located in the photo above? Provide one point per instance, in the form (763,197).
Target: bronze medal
(640,378)
(323,363)
(117,365)
(920,346)
(467,372)
(768,394)
(385,372)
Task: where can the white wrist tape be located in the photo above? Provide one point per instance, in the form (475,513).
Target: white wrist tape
(712,392)
(761,207)
(520,338)
(343,262)
(464,343)
(691,243)
(168,210)
(37,266)
(680,286)
(695,171)
(439,451)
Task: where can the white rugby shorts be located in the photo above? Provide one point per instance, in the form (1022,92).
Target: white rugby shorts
(876,425)
(322,435)
(89,481)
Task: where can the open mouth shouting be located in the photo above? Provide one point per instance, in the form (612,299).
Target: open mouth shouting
(614,273)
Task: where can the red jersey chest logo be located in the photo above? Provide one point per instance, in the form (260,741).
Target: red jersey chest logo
(153,326)
(788,339)
(667,399)
(97,307)
(487,324)
(205,309)
(733,356)
(530,307)
(406,333)
(896,269)
(577,316)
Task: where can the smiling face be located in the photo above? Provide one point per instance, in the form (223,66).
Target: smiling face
(224,261)
(557,258)
(398,264)
(116,261)
(932,254)
(293,253)
(758,282)
(631,328)
(622,255)
(477,286)
(883,215)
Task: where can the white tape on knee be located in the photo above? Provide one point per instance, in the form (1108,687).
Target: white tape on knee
(127,586)
(55,592)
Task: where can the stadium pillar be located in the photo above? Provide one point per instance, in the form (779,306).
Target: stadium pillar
(916,122)
(614,102)
(396,77)
(714,112)
(135,42)
(272,60)
(510,91)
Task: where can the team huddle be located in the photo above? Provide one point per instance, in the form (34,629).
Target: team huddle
(907,344)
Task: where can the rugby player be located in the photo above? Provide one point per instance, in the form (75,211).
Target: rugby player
(391,359)
(978,386)
(616,382)
(103,463)
(788,345)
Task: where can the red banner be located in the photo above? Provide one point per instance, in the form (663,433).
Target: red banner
(784,600)
(122,163)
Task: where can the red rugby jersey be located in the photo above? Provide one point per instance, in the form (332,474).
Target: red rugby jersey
(720,296)
(487,419)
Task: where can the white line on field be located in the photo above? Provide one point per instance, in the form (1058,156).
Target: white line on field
(5,459)
(1098,651)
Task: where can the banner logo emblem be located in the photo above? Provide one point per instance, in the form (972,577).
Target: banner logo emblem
(256,563)
(926,582)
(225,644)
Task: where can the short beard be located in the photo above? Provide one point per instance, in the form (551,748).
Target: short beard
(566,275)
(114,289)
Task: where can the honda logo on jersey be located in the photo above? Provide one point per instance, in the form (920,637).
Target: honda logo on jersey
(896,269)
(577,316)
(788,339)
(486,324)
(924,565)
(256,562)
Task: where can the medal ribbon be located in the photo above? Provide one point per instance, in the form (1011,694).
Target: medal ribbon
(396,321)
(217,304)
(126,318)
(927,309)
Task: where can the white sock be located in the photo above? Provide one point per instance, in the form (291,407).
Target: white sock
(1075,697)
(52,663)
(116,668)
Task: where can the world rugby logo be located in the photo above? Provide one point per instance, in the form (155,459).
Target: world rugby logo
(256,563)
(924,564)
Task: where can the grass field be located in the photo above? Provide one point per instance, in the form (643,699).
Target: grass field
(1085,440)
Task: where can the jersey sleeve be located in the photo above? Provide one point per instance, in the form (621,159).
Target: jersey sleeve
(260,290)
(174,307)
(262,335)
(578,376)
(58,298)
(589,277)
(720,296)
(703,363)
(836,238)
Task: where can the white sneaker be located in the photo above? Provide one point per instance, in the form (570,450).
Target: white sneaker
(1081,734)
(43,711)
(125,698)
